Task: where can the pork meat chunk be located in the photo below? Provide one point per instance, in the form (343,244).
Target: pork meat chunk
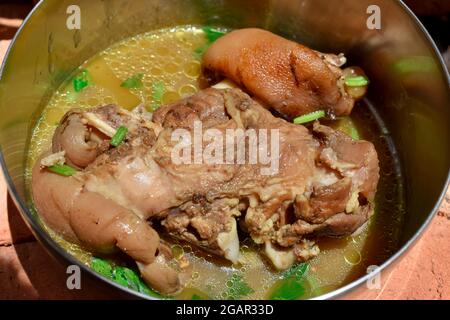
(286,76)
(324,185)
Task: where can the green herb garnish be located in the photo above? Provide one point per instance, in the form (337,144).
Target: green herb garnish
(62,169)
(356,81)
(353,133)
(346,125)
(130,279)
(296,271)
(102,267)
(237,287)
(200,51)
(310,117)
(133,82)
(81,81)
(119,136)
(122,275)
(314,284)
(292,285)
(290,289)
(158,89)
(196,297)
(212,34)
(126,277)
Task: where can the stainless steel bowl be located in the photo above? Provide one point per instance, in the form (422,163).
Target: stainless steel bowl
(410,84)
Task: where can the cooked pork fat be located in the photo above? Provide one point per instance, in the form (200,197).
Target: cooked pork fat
(324,186)
(286,76)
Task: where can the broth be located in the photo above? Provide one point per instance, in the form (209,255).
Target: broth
(170,59)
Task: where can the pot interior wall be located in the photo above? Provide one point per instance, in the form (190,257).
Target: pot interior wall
(409,88)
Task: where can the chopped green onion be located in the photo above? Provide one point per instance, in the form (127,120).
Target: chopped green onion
(62,169)
(356,81)
(212,34)
(310,117)
(348,126)
(196,297)
(158,89)
(81,81)
(354,134)
(119,136)
(133,82)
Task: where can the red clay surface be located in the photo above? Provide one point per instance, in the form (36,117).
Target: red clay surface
(28,272)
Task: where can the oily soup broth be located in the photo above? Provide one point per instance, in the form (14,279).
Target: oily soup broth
(166,64)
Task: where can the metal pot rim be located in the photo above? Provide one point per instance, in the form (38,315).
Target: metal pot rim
(48,242)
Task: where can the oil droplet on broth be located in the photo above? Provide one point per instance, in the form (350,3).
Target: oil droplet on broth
(169,97)
(156,71)
(177,251)
(187,90)
(352,257)
(162,51)
(171,67)
(192,69)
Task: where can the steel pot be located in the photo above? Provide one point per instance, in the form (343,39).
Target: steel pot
(410,84)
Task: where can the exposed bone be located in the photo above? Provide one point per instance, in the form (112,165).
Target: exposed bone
(229,242)
(334,60)
(100,124)
(337,61)
(353,202)
(281,259)
(54,158)
(225,84)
